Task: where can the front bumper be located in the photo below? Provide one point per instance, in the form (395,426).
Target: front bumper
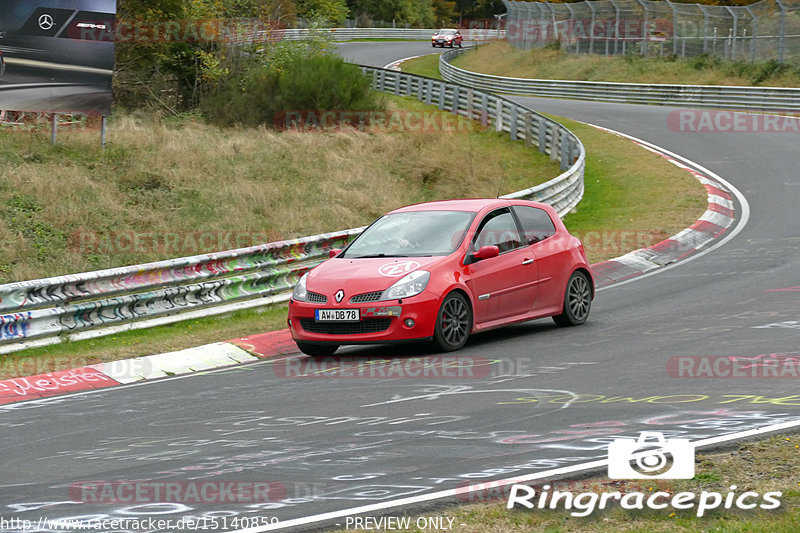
(381,322)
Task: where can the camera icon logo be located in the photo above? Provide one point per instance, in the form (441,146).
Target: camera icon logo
(651,456)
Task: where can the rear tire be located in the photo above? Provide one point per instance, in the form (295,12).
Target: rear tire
(577,301)
(317,350)
(453,323)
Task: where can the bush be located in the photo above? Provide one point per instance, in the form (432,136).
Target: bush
(260,94)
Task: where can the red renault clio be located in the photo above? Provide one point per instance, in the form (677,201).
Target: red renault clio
(440,271)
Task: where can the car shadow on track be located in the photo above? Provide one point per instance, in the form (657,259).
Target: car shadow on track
(492,340)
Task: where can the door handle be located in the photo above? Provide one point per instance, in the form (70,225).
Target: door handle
(527,261)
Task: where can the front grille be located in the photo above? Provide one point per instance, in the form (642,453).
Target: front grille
(366,297)
(316,298)
(374,325)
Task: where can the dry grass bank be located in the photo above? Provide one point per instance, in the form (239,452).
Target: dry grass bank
(159,179)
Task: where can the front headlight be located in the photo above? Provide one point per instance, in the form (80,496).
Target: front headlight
(299,292)
(409,286)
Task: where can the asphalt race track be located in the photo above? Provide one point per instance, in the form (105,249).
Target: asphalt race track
(525,399)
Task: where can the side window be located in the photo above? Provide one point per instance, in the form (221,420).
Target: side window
(498,229)
(536,224)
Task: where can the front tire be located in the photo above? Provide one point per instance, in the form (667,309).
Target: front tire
(317,350)
(453,323)
(577,301)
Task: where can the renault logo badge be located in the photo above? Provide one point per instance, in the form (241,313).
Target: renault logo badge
(339,296)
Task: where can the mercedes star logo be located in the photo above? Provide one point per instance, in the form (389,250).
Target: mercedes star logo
(46,22)
(339,296)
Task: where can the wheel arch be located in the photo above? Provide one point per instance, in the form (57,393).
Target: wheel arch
(588,273)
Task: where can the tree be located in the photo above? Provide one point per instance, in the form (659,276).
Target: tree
(445,12)
(331,11)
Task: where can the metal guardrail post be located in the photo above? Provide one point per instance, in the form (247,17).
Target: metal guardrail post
(781,31)
(675,30)
(705,29)
(543,136)
(456,97)
(442,95)
(554,142)
(565,159)
(734,30)
(498,120)
(616,27)
(571,24)
(512,129)
(429,92)
(645,24)
(484,110)
(470,104)
(754,36)
(528,130)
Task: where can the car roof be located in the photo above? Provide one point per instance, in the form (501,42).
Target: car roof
(471,204)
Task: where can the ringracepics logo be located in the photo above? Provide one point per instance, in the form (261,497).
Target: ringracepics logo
(648,457)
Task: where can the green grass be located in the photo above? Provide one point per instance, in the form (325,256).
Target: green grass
(427,65)
(501,59)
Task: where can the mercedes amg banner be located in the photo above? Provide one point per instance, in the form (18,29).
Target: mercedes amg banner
(57,56)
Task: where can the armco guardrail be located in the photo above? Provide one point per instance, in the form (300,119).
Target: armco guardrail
(49,308)
(710,96)
(349,34)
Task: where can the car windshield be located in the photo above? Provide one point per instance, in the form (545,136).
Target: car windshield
(447,32)
(412,234)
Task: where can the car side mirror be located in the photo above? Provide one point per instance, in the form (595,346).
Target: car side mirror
(334,252)
(485,252)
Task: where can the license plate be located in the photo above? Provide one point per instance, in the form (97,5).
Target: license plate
(337,315)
